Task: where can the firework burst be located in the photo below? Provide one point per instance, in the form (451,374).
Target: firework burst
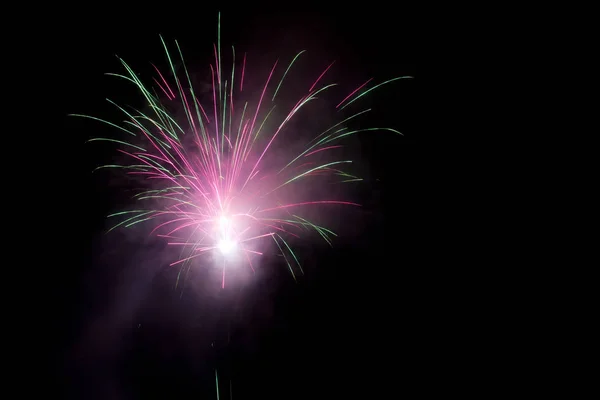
(216,186)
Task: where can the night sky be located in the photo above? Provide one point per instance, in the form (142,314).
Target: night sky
(364,320)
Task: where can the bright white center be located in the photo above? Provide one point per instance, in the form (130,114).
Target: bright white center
(223,223)
(226,246)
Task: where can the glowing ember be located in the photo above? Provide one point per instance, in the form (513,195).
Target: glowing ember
(227,246)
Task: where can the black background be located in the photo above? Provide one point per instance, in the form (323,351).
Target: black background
(370,317)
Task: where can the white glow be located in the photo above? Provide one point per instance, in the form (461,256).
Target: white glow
(227,246)
(223,222)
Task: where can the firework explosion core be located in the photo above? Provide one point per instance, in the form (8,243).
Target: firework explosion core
(215,188)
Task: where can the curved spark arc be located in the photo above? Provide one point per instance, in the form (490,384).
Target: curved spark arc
(217,173)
